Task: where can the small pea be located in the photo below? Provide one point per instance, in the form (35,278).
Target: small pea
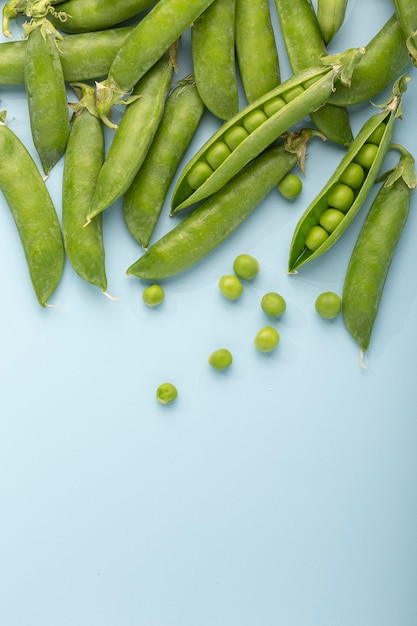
(153,295)
(234,136)
(290,186)
(246,266)
(166,393)
(254,119)
(273,304)
(266,339)
(341,197)
(376,136)
(273,106)
(199,174)
(366,155)
(328,305)
(315,237)
(220,359)
(230,287)
(330,219)
(218,152)
(353,175)
(292,93)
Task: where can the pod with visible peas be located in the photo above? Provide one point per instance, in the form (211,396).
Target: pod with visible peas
(256,48)
(133,137)
(311,238)
(374,250)
(406,12)
(82,16)
(330,15)
(82,162)
(212,222)
(257,126)
(143,201)
(34,213)
(213,56)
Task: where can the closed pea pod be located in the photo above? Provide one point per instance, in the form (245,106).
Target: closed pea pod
(213,55)
(374,250)
(82,16)
(330,15)
(310,239)
(34,213)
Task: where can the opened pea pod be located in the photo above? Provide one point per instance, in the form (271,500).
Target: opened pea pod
(338,202)
(257,126)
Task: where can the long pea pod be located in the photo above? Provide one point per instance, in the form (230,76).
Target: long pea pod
(213,55)
(34,213)
(331,15)
(313,235)
(305,46)
(146,44)
(205,228)
(256,48)
(406,11)
(143,201)
(374,250)
(84,157)
(133,137)
(84,16)
(256,126)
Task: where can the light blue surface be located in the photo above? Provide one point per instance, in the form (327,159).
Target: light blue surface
(282,491)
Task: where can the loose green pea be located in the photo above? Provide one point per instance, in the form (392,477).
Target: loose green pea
(234,136)
(198,174)
(274,105)
(315,237)
(254,119)
(328,305)
(273,304)
(266,339)
(366,155)
(353,175)
(340,197)
(246,266)
(217,154)
(166,393)
(230,287)
(330,219)
(220,359)
(291,186)
(153,295)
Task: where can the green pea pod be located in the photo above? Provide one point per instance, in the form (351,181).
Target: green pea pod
(214,220)
(374,250)
(83,159)
(84,16)
(374,139)
(34,213)
(143,201)
(330,15)
(406,11)
(257,126)
(213,55)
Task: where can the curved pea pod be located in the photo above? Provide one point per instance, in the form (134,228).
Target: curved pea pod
(406,11)
(374,250)
(256,127)
(375,138)
(84,16)
(330,16)
(34,213)
(214,220)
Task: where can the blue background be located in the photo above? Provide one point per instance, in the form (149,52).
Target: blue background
(282,491)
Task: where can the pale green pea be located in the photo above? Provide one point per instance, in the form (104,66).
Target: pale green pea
(266,339)
(217,154)
(166,393)
(253,120)
(328,305)
(376,136)
(366,155)
(293,93)
(153,295)
(220,359)
(340,197)
(316,236)
(353,175)
(291,186)
(246,266)
(273,304)
(230,287)
(330,219)
(198,174)
(234,136)
(273,106)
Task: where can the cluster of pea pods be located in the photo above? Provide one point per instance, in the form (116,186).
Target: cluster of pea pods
(124,56)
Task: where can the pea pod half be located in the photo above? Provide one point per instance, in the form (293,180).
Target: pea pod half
(374,250)
(257,126)
(347,188)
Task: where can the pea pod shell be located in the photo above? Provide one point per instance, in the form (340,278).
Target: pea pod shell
(330,16)
(214,220)
(84,16)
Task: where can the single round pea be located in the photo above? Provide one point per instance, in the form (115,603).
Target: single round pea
(353,175)
(220,359)
(217,153)
(234,136)
(166,393)
(377,134)
(198,174)
(315,237)
(252,120)
(340,197)
(292,93)
(153,295)
(290,186)
(266,339)
(273,304)
(328,305)
(366,155)
(273,106)
(330,219)
(231,287)
(246,266)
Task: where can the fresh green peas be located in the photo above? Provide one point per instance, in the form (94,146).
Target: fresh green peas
(293,93)
(316,236)
(220,359)
(274,105)
(246,266)
(273,304)
(266,339)
(199,174)
(234,136)
(330,219)
(291,186)
(376,136)
(217,154)
(366,155)
(341,197)
(353,176)
(254,119)
(166,393)
(230,287)
(153,295)
(328,304)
